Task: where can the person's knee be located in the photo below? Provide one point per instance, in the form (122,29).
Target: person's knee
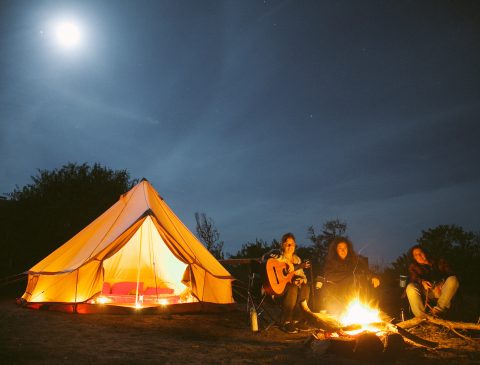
(412,289)
(452,281)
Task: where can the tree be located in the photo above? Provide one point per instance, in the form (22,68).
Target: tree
(449,240)
(330,229)
(55,206)
(400,265)
(256,249)
(459,247)
(209,235)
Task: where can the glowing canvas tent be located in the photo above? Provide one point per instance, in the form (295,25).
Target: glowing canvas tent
(138,252)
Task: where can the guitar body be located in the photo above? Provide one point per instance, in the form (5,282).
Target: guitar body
(277,277)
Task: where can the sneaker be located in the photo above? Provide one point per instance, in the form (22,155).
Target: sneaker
(289,328)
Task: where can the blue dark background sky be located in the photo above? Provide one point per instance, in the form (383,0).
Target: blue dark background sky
(269,116)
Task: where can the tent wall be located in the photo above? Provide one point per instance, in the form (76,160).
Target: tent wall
(208,288)
(77,286)
(138,238)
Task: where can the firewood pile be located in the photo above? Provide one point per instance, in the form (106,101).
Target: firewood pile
(387,341)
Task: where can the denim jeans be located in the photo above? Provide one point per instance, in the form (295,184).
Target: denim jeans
(293,296)
(443,292)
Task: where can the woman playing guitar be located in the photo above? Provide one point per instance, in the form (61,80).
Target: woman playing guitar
(296,289)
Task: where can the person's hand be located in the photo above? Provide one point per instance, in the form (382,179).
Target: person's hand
(375,282)
(427,285)
(298,281)
(290,267)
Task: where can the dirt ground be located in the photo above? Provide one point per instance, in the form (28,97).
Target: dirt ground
(46,337)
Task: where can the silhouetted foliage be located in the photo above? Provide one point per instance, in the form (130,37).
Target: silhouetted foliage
(315,252)
(41,216)
(255,249)
(306,253)
(460,248)
(330,229)
(209,235)
(400,265)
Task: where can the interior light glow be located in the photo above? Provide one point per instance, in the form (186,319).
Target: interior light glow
(102,300)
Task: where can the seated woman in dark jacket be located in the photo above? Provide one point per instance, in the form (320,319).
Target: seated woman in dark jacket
(346,276)
(432,278)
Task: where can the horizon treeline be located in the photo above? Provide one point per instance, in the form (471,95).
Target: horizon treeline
(39,217)
(459,247)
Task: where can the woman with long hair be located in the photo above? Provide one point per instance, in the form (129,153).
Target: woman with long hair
(432,279)
(346,276)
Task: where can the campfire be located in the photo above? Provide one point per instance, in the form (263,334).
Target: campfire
(361,331)
(364,332)
(361,315)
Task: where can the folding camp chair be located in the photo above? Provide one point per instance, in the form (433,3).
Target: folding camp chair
(251,270)
(258,299)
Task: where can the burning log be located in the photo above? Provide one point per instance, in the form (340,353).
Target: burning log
(328,323)
(320,320)
(365,346)
(360,332)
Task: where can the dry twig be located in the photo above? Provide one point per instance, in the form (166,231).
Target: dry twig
(450,325)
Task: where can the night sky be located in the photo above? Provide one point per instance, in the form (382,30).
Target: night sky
(269,116)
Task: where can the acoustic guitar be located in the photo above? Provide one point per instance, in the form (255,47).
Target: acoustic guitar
(278,276)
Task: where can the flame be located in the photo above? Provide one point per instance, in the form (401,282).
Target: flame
(361,314)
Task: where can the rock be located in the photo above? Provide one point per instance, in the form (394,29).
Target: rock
(394,345)
(320,347)
(368,347)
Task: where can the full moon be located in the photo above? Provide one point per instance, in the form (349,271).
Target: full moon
(68,34)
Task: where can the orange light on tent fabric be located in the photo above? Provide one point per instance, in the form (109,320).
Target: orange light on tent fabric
(138,241)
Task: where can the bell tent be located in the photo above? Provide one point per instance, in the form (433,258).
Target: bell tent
(137,254)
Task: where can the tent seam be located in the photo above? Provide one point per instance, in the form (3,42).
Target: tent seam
(111,226)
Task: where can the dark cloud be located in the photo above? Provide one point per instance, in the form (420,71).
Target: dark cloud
(268,116)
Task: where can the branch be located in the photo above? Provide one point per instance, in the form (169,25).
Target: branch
(322,321)
(441,322)
(451,324)
(466,338)
(411,323)
(410,336)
